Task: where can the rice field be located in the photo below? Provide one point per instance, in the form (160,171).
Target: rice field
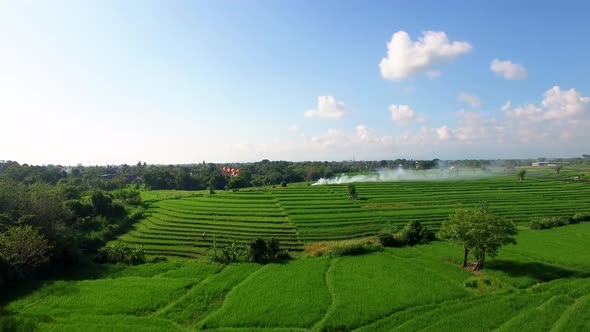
(188,223)
(540,284)
(399,289)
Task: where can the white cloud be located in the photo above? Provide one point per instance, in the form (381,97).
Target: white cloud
(406,57)
(362,133)
(559,125)
(557,104)
(562,104)
(294,128)
(443,133)
(469,99)
(328,108)
(404,115)
(508,70)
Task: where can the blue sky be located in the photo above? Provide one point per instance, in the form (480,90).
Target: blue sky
(98,82)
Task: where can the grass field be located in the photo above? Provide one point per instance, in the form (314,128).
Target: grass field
(540,284)
(176,221)
(533,288)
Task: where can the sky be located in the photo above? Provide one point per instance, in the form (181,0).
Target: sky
(168,82)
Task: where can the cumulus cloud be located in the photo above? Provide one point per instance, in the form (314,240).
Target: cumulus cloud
(328,108)
(508,70)
(406,57)
(557,104)
(557,125)
(469,99)
(404,115)
(443,133)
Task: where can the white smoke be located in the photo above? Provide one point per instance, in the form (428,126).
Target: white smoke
(400,174)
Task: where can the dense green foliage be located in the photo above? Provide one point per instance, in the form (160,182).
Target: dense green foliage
(119,252)
(45,225)
(478,231)
(535,285)
(550,222)
(411,234)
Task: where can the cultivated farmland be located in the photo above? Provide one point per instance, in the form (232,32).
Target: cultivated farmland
(540,284)
(299,214)
(526,288)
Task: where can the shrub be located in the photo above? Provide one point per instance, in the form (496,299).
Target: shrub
(551,222)
(159,259)
(580,216)
(316,249)
(351,189)
(24,249)
(230,253)
(283,184)
(356,249)
(389,237)
(120,252)
(413,233)
(264,251)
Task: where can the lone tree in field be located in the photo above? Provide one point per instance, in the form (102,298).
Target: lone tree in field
(351,191)
(520,174)
(478,231)
(558,169)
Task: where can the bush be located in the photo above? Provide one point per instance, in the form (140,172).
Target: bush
(159,259)
(580,216)
(283,184)
(356,249)
(120,252)
(24,250)
(322,248)
(413,233)
(389,237)
(264,251)
(351,189)
(551,222)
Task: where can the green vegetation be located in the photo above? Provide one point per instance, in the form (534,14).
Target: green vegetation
(341,277)
(478,231)
(535,285)
(550,222)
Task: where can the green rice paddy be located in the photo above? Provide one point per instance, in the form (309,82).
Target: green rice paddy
(400,289)
(187,223)
(540,284)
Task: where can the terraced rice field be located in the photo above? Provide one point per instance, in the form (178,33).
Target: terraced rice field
(190,225)
(536,285)
(299,213)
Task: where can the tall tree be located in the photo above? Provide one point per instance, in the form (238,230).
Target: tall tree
(478,231)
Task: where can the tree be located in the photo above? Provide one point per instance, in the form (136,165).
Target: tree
(558,169)
(24,248)
(520,174)
(351,189)
(478,231)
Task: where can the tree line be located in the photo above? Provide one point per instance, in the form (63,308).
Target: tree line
(46,226)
